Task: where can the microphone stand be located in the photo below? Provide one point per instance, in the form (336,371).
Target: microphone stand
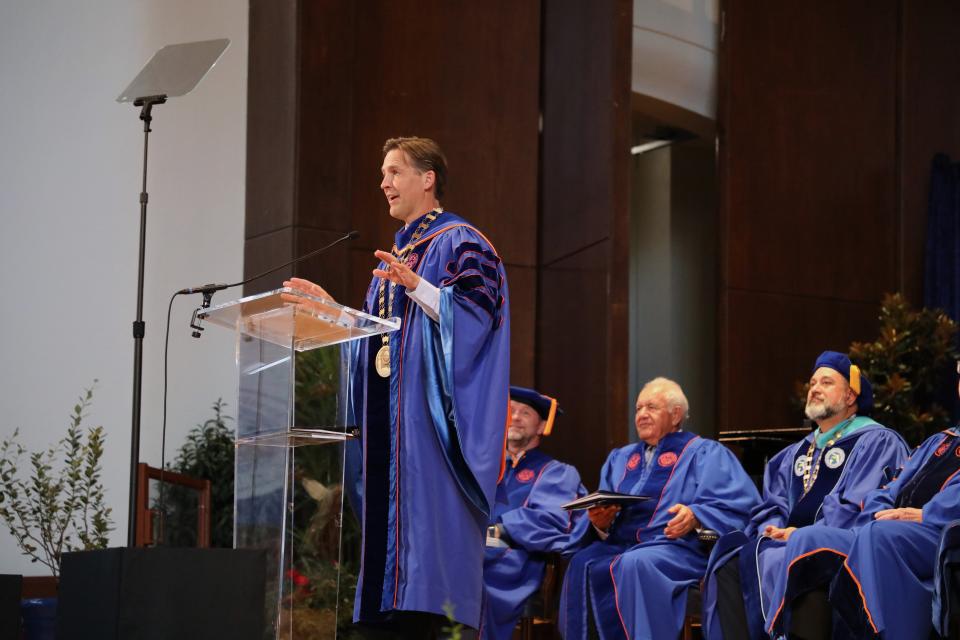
(139,327)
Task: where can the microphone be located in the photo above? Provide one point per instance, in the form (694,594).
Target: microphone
(204,288)
(209,289)
(213,286)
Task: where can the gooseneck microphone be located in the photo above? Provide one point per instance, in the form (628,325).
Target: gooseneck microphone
(209,289)
(214,287)
(204,288)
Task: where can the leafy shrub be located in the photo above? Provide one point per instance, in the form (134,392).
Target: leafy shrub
(60,506)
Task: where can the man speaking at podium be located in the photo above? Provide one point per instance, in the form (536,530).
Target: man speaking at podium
(432,401)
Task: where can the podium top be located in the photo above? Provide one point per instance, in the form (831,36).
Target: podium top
(314,322)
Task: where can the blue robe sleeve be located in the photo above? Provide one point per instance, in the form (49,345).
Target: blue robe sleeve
(886,496)
(775,507)
(883,452)
(944,507)
(467,364)
(540,524)
(725,493)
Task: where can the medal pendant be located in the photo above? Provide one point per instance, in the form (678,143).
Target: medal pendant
(382,361)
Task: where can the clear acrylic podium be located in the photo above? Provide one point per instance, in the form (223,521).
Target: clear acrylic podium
(292,425)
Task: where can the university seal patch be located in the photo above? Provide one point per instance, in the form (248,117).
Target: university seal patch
(801,465)
(412,261)
(942,449)
(525,476)
(834,457)
(633,462)
(667,459)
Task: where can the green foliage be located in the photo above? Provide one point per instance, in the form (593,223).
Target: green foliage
(60,506)
(912,368)
(316,533)
(316,386)
(455,629)
(321,585)
(208,453)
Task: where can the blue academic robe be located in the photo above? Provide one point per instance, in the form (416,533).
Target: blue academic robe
(528,507)
(880,573)
(431,451)
(871,455)
(944,581)
(637,579)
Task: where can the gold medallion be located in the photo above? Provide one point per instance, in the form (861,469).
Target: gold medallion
(382,361)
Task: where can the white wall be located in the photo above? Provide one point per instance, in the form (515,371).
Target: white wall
(70,163)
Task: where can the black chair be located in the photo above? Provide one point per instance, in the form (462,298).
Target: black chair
(947,582)
(540,610)
(692,619)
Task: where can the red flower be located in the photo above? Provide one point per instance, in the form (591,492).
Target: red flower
(298,578)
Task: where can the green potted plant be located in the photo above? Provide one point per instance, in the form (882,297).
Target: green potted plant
(912,367)
(208,453)
(56,502)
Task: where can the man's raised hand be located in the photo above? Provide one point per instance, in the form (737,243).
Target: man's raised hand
(396,271)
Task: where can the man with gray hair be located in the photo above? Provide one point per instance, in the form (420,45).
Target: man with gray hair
(636,561)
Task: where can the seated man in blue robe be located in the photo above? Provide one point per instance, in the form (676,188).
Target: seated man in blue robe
(879,575)
(635,565)
(528,521)
(820,480)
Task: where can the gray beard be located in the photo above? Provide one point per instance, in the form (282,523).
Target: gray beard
(820,411)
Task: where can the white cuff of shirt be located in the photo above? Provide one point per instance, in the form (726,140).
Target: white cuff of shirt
(427,298)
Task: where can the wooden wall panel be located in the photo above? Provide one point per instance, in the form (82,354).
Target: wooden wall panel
(930,95)
(582,310)
(809,141)
(327,37)
(264,252)
(523,330)
(573,362)
(328,267)
(582,87)
(809,218)
(776,341)
(271,119)
(466,75)
(829,117)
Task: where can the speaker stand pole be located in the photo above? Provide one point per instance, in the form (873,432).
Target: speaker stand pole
(139,328)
